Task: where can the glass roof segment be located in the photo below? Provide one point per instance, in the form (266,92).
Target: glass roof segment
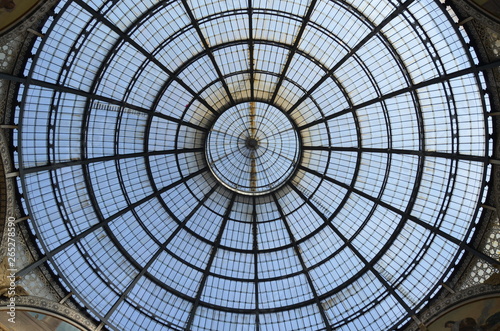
(252,148)
(252,165)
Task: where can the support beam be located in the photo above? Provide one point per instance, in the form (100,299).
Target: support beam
(305,270)
(211,259)
(27,269)
(462,22)
(92,96)
(208,51)
(356,252)
(488,207)
(396,93)
(421,326)
(36,33)
(251,50)
(55,166)
(21,219)
(360,44)
(410,217)
(153,258)
(447,288)
(478,254)
(63,300)
(255,247)
(452,156)
(142,50)
(294,48)
(12,174)
(99,327)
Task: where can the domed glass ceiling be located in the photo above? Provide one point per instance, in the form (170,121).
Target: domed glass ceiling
(252,165)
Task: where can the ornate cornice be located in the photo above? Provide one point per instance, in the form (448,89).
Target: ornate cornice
(37,304)
(443,306)
(31,21)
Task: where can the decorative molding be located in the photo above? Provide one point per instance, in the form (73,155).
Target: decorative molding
(475,271)
(32,303)
(31,21)
(444,305)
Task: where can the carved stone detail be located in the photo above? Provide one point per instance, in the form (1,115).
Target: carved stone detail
(31,21)
(55,308)
(442,305)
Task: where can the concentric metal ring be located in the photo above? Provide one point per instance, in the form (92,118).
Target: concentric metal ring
(253,148)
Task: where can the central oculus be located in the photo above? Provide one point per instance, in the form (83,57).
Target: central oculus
(252,143)
(253,148)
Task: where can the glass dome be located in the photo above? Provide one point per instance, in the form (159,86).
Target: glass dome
(252,165)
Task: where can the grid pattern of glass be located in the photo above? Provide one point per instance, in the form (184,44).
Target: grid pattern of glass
(252,148)
(252,165)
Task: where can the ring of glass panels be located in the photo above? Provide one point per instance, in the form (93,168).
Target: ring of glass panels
(118,103)
(252,148)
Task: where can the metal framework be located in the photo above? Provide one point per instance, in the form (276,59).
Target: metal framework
(132,114)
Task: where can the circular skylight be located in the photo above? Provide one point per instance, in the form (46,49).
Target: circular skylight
(252,165)
(252,148)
